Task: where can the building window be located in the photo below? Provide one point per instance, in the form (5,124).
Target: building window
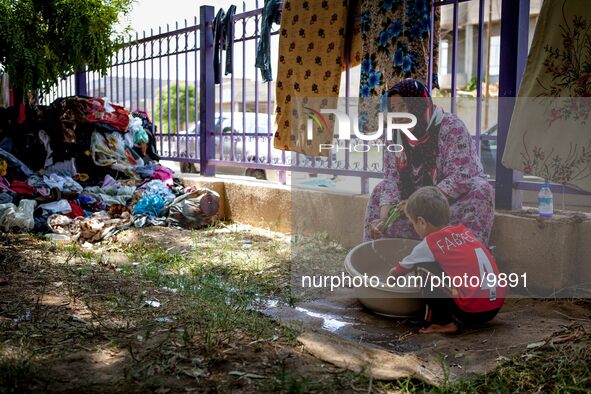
(495,55)
(443,51)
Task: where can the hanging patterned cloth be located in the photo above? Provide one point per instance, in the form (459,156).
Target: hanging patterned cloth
(396,39)
(311,49)
(549,134)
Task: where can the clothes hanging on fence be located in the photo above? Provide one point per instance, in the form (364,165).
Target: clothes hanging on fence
(396,40)
(271,15)
(549,134)
(223,32)
(311,58)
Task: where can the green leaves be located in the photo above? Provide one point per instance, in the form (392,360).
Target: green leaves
(42,41)
(393,215)
(177,103)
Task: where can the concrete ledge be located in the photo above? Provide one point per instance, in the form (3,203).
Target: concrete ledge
(340,215)
(554,253)
(550,251)
(257,203)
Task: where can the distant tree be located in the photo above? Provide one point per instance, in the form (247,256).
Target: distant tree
(169,125)
(42,41)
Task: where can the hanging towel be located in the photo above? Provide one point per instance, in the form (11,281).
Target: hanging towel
(396,39)
(549,133)
(223,32)
(311,58)
(271,15)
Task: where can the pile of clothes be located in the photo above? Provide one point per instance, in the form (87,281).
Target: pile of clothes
(87,168)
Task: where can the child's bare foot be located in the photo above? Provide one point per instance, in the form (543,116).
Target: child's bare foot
(449,328)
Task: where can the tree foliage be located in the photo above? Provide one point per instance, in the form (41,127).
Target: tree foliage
(42,41)
(170,125)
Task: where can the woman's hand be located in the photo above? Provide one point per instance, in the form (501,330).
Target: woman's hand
(376,228)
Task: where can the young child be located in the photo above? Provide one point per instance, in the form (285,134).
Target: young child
(447,252)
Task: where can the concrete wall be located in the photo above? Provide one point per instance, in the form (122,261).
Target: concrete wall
(554,253)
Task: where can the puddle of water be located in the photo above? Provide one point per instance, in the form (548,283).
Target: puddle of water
(329,322)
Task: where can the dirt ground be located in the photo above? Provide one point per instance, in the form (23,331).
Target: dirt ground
(168,310)
(521,325)
(71,323)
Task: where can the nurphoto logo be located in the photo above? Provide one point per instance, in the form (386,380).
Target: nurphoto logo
(394,121)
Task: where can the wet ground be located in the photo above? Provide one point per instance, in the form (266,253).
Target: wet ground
(522,324)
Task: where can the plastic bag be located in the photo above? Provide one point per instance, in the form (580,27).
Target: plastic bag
(149,205)
(195,209)
(137,130)
(17,219)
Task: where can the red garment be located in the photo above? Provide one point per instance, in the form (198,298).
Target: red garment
(461,255)
(76,210)
(22,188)
(459,252)
(21,113)
(118,117)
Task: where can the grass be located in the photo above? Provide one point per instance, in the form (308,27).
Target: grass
(15,370)
(206,330)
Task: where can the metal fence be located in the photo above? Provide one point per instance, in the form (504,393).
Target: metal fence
(170,75)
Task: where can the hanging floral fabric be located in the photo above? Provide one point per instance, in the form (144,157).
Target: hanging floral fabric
(549,134)
(311,49)
(396,38)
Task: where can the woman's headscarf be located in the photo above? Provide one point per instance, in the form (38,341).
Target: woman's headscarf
(417,163)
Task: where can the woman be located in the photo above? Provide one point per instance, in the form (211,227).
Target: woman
(445,156)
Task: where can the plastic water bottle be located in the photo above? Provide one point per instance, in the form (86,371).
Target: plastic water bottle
(545,201)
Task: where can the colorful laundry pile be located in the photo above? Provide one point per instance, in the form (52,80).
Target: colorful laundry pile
(86,168)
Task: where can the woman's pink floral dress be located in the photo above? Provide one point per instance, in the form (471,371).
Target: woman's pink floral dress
(460,176)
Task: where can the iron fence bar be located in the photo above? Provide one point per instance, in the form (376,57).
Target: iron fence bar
(161,35)
(137,76)
(514,36)
(479,75)
(206,93)
(220,120)
(117,79)
(256,89)
(232,153)
(80,82)
(431,47)
(123,81)
(152,87)
(454,56)
(160,93)
(145,107)
(176,88)
(168,131)
(244,84)
(196,89)
(186,93)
